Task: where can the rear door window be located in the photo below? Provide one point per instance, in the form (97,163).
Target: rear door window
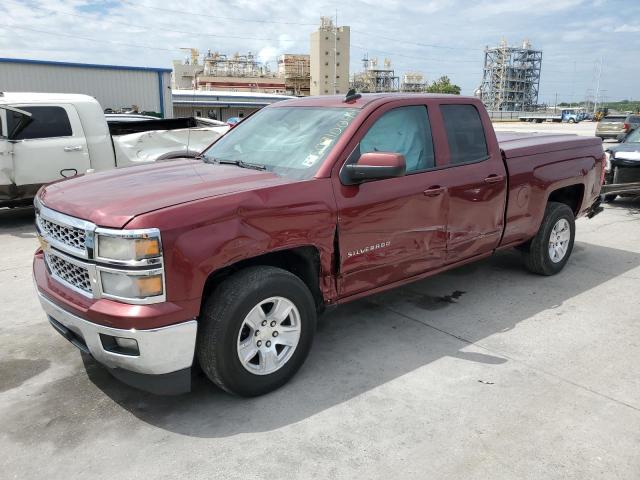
(46,122)
(465,134)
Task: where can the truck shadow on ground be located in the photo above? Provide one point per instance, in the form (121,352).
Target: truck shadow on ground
(18,222)
(368,343)
(631,204)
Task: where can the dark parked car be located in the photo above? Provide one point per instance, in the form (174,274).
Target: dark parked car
(623,167)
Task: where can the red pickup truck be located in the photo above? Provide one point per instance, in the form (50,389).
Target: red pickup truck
(225,261)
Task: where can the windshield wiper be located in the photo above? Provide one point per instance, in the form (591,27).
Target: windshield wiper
(241,163)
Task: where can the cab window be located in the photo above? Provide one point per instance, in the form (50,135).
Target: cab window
(467,142)
(404,130)
(46,122)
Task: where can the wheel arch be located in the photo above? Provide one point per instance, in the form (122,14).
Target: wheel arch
(302,261)
(570,195)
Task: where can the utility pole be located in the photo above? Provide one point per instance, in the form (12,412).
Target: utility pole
(573,83)
(598,74)
(335,54)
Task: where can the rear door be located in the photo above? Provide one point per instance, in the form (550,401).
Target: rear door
(476,183)
(392,229)
(51,147)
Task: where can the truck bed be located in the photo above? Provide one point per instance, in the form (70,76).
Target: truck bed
(520,144)
(540,162)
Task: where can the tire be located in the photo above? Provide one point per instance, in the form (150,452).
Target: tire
(537,257)
(609,198)
(571,120)
(224,328)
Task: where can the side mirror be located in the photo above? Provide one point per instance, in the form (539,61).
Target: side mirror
(374,166)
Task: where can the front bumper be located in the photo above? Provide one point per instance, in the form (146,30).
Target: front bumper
(164,359)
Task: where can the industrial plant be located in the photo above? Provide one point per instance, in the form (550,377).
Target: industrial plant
(511,78)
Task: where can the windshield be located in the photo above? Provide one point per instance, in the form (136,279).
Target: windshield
(614,119)
(633,137)
(292,142)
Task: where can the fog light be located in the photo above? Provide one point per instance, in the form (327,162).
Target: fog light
(121,345)
(128,343)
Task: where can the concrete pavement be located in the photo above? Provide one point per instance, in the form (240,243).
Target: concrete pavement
(483,372)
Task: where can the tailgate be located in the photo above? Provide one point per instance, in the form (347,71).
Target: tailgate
(611,125)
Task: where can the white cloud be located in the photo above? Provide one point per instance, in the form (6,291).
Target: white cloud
(627,28)
(522,7)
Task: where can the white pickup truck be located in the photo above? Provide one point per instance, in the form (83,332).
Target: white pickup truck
(48,136)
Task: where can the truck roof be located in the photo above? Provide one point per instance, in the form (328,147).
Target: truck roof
(365,99)
(39,97)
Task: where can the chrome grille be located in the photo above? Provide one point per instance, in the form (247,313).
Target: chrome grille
(70,236)
(72,274)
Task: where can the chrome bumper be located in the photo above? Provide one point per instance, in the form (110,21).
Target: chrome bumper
(161,350)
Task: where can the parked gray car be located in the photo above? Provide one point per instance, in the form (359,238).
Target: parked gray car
(614,126)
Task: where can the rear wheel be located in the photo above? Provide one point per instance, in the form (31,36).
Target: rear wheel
(550,249)
(256,330)
(609,198)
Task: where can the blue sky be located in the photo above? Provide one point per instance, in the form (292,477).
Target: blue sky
(434,37)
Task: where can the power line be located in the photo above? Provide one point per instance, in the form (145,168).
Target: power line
(198,14)
(114,42)
(419,44)
(164,28)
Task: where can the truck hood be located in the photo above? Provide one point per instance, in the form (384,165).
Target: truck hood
(113,198)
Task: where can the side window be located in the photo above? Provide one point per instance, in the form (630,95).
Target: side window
(404,130)
(467,142)
(46,122)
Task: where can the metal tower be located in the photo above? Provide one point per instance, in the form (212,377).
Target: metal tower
(511,79)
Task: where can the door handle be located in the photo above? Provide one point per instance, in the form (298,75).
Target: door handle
(76,148)
(494,178)
(434,191)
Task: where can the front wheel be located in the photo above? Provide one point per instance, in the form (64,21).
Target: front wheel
(256,330)
(550,249)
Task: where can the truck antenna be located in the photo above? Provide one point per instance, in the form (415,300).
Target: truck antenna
(351,96)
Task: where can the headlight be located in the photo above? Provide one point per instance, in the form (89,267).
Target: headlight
(130,265)
(131,286)
(128,246)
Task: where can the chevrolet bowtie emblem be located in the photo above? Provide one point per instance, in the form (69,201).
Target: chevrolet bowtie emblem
(43,243)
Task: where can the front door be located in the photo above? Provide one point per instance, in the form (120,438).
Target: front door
(52,146)
(6,162)
(392,229)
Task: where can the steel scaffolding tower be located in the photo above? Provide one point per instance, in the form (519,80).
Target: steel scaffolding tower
(511,79)
(375,78)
